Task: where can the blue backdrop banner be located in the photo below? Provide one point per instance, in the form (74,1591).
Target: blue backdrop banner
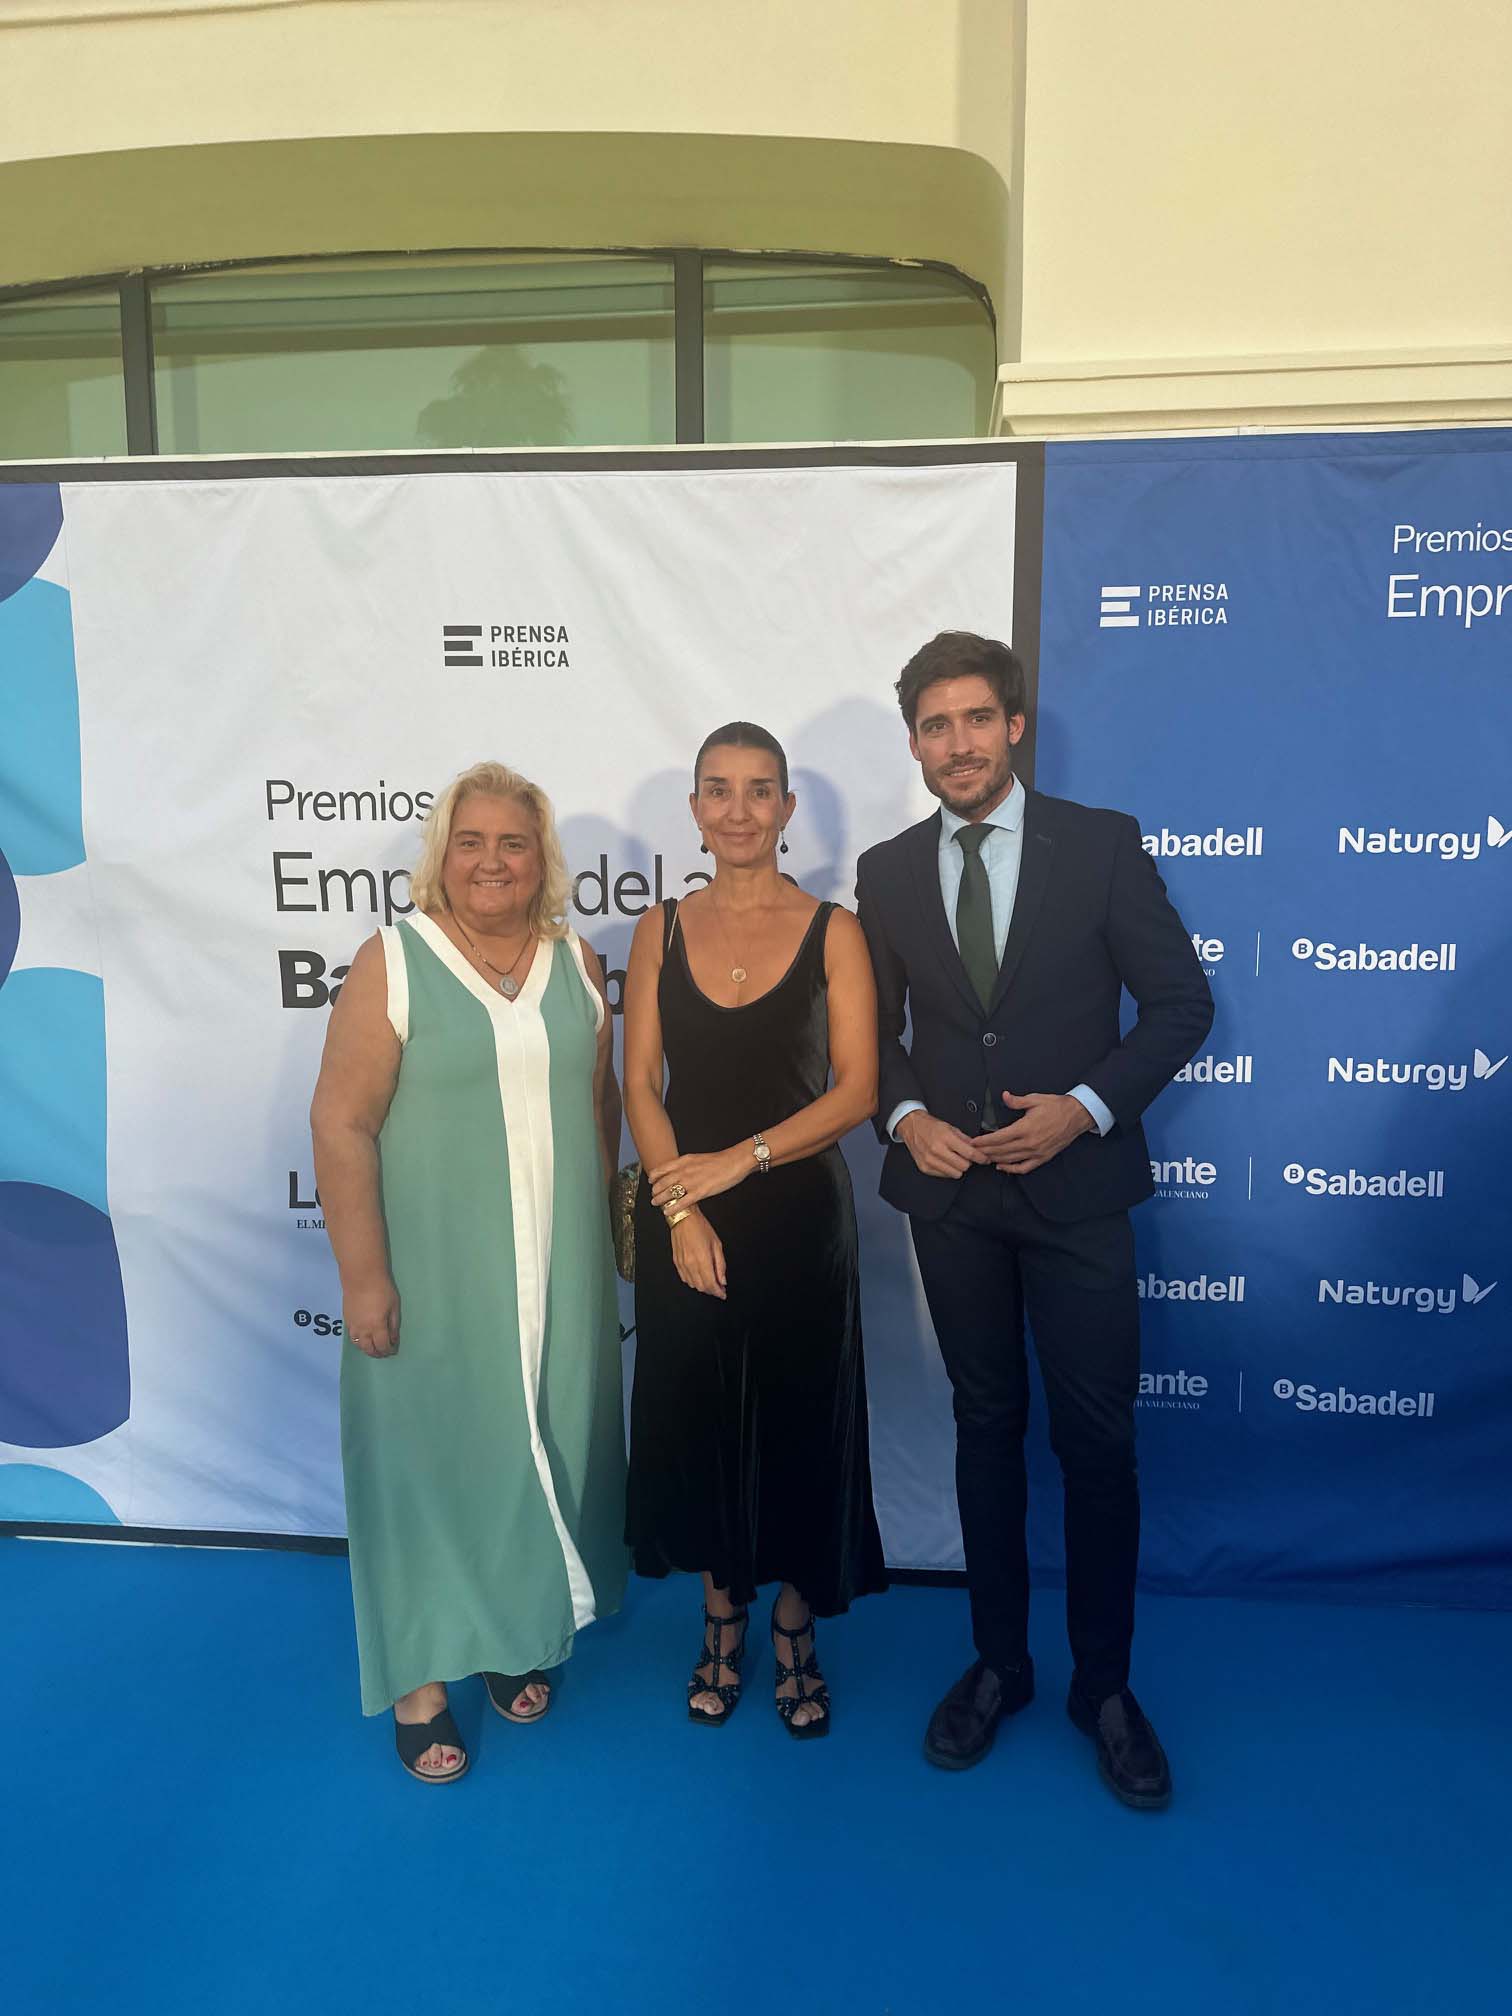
(1291,659)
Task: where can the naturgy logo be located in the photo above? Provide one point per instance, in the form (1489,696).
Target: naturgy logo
(1430,1077)
(1422,1301)
(1447,846)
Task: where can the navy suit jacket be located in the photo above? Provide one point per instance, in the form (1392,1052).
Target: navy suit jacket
(1091,917)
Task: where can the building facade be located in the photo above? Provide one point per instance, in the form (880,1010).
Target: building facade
(387,224)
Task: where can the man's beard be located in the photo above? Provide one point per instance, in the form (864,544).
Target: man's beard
(991,784)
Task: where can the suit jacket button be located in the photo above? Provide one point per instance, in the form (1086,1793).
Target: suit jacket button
(971,1106)
(988,1040)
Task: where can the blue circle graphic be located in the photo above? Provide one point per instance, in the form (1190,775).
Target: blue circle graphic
(10,919)
(31,517)
(29,1492)
(65,1377)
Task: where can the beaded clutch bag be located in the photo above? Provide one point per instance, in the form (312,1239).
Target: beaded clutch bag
(622,1217)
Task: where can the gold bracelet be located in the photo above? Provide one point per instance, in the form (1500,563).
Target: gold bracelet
(677,1219)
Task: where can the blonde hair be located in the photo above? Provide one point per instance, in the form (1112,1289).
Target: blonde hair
(548,907)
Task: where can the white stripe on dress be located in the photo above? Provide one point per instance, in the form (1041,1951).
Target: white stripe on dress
(398,981)
(587,979)
(522,1051)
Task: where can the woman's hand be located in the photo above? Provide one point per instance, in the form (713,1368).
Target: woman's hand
(697,1253)
(693,1177)
(370,1317)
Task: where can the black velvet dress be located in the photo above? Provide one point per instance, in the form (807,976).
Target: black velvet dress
(748,1431)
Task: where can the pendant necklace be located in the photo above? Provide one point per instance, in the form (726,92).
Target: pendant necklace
(737,971)
(509,987)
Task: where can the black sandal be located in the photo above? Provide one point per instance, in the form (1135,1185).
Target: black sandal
(413,1739)
(504,1689)
(715,1656)
(801,1670)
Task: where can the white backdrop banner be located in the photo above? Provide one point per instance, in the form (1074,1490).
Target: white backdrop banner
(274,675)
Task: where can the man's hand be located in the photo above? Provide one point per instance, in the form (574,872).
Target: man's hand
(938,1149)
(1052,1120)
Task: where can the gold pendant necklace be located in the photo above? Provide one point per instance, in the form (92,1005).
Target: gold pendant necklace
(737,970)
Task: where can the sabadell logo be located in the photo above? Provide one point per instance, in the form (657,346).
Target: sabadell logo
(1218,843)
(1309,1399)
(323,1326)
(1217,1288)
(1359,1183)
(1324,955)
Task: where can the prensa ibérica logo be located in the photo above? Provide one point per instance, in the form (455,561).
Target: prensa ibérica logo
(516,647)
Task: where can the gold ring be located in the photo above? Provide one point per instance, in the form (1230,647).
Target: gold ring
(678,1190)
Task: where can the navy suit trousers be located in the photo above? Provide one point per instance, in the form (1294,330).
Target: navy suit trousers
(989,1262)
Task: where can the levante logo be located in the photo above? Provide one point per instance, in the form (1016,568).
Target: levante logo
(1184,1179)
(1180,1391)
(309,1215)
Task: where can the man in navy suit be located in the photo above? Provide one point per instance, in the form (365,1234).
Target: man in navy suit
(1007,925)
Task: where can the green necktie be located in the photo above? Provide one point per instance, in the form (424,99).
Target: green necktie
(974,913)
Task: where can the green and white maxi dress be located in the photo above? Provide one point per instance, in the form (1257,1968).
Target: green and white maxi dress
(485,1462)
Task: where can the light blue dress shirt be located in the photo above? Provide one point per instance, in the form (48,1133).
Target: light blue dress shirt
(1002,853)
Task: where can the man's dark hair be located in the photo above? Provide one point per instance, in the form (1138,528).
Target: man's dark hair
(742,735)
(961,654)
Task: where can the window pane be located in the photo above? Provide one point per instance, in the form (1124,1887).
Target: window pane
(61,391)
(495,353)
(835,353)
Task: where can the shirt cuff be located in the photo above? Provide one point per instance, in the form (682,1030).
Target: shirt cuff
(901,1112)
(1085,1096)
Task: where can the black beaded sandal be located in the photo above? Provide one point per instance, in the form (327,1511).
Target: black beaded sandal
(715,1656)
(504,1689)
(413,1739)
(801,1670)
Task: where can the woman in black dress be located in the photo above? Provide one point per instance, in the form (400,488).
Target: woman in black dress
(748,1431)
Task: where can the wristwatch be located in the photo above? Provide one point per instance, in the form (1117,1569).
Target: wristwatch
(762,1153)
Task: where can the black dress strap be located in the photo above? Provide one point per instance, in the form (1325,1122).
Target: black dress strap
(669,923)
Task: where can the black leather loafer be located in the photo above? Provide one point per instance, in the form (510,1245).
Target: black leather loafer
(961,1729)
(1129,1755)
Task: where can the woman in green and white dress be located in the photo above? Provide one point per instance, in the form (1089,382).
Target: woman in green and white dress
(465,1125)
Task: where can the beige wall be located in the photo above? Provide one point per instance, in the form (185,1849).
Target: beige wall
(1256,176)
(1295,181)
(836,125)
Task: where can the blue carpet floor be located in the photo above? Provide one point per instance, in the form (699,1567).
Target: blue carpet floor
(195,1817)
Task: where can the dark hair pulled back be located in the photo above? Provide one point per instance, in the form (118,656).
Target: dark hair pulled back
(742,735)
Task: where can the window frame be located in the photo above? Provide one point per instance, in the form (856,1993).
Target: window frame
(134,289)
